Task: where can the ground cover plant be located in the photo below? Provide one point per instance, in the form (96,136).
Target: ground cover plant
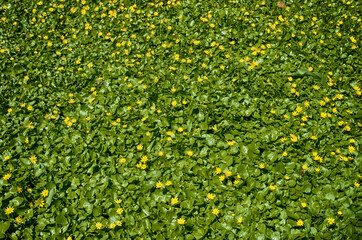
(180,119)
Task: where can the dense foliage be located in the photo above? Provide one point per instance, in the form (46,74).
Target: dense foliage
(180,119)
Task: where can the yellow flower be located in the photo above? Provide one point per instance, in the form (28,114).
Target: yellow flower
(210,196)
(215,211)
(18,220)
(351,149)
(287,177)
(304,167)
(139,147)
(112,225)
(119,210)
(122,160)
(168,183)
(273,187)
(240,220)
(159,185)
(118,201)
(190,153)
(304,204)
(331,221)
(340,213)
(285,154)
(222,178)
(9,210)
(228,173)
(119,223)
(181,221)
(218,170)
(7,176)
(174,201)
(99,225)
(33,159)
(300,222)
(356,184)
(310,69)
(293,138)
(40,202)
(261,166)
(144,159)
(45,193)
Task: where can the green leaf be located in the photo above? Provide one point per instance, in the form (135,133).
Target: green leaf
(4,226)
(61,219)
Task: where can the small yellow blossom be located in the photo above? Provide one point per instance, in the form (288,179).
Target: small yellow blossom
(300,222)
(181,221)
(273,187)
(174,201)
(293,138)
(7,176)
(18,220)
(45,193)
(210,196)
(33,159)
(228,173)
(9,210)
(99,225)
(331,221)
(215,211)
